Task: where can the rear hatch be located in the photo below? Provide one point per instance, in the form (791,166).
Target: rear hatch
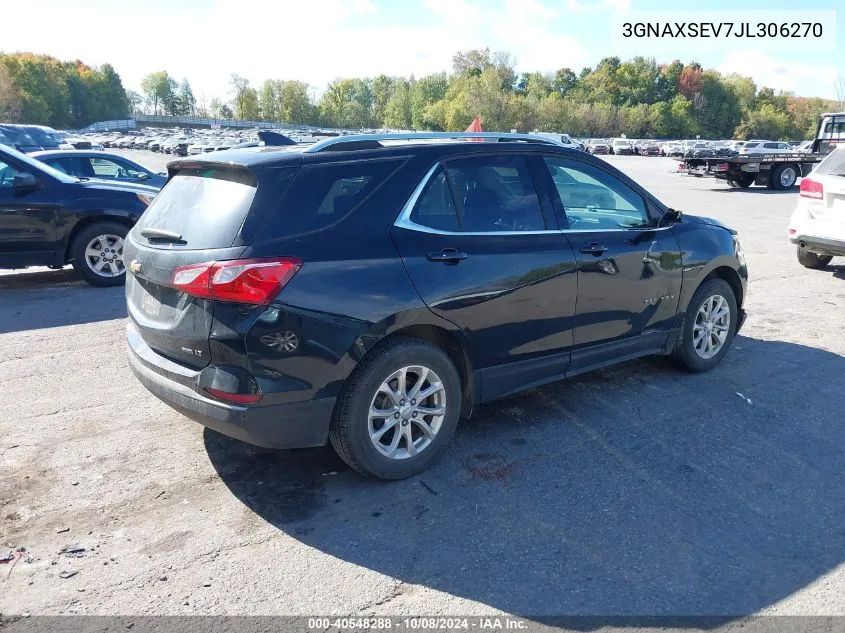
(207,212)
(831,174)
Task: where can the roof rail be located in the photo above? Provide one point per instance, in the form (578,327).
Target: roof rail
(370,141)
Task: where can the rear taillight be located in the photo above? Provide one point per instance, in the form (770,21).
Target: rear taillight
(240,281)
(811,189)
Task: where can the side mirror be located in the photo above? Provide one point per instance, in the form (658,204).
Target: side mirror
(673,215)
(143,176)
(24,181)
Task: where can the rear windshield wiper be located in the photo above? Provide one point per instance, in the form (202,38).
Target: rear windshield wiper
(162,234)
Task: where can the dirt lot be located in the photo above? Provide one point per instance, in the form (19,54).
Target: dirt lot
(637,490)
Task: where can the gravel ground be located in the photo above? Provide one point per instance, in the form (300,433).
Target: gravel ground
(636,490)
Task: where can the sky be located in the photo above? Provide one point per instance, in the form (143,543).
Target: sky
(317,41)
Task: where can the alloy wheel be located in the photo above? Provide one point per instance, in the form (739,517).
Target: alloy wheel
(711,326)
(407,412)
(104,255)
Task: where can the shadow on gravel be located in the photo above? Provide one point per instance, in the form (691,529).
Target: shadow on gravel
(53,298)
(838,271)
(638,490)
(755,189)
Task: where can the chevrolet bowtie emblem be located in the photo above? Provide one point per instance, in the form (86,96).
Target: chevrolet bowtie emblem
(135,266)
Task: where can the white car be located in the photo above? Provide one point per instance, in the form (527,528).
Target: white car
(561,139)
(198,147)
(622,146)
(765,147)
(817,225)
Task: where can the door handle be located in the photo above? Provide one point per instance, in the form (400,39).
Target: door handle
(447,256)
(594,249)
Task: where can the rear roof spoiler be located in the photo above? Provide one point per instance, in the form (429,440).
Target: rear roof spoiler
(274,138)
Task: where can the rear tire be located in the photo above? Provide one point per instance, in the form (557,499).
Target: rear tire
(745,180)
(97,253)
(784,176)
(692,348)
(406,439)
(812,260)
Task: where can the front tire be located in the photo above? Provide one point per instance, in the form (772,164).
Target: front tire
(398,410)
(97,252)
(709,326)
(812,260)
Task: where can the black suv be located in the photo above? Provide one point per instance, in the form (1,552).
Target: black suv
(48,218)
(371,291)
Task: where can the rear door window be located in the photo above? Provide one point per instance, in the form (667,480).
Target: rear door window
(495,194)
(325,193)
(107,168)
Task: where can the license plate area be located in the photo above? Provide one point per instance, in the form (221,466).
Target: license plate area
(150,305)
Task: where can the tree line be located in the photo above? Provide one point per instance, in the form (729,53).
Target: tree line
(42,90)
(637,97)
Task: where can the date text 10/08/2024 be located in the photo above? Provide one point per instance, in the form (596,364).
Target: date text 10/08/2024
(489,623)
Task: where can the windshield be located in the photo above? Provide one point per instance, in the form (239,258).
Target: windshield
(38,166)
(18,136)
(42,137)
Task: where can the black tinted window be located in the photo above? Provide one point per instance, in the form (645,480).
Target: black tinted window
(495,194)
(323,194)
(435,208)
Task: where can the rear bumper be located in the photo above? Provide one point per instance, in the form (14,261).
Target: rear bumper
(820,245)
(295,425)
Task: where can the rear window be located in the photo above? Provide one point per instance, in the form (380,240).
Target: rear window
(833,164)
(324,194)
(205,206)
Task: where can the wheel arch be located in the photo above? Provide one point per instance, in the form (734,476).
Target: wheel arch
(91,220)
(455,348)
(729,275)
(450,342)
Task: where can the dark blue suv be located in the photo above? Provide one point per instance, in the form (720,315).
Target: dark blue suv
(371,290)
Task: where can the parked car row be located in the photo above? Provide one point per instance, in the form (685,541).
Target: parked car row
(188,142)
(690,148)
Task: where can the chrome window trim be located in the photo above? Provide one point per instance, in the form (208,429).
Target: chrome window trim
(404,221)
